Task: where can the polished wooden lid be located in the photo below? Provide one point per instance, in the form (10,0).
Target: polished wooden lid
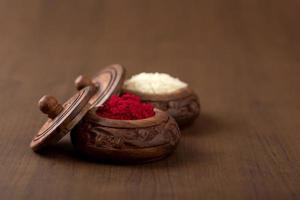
(92,93)
(107,82)
(62,118)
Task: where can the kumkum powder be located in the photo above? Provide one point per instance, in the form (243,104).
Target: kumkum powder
(126,107)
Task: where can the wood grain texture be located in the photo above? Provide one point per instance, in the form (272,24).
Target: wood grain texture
(107,82)
(241,57)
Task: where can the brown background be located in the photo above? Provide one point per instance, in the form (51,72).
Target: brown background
(240,56)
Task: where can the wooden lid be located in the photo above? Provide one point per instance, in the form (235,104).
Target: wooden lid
(107,82)
(62,118)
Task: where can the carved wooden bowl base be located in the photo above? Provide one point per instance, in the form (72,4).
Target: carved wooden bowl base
(130,142)
(184,110)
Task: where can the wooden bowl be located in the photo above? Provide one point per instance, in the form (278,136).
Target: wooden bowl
(126,140)
(183,105)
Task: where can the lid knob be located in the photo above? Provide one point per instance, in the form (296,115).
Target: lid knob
(50,106)
(83,81)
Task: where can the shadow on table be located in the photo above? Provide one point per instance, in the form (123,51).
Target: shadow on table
(185,153)
(205,124)
(62,151)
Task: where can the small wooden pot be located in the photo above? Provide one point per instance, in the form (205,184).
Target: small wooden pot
(182,104)
(126,140)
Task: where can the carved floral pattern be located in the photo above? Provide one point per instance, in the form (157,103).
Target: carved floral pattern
(98,136)
(183,110)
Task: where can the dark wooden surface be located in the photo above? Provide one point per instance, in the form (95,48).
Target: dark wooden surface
(241,57)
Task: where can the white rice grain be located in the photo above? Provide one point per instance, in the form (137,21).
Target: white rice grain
(153,83)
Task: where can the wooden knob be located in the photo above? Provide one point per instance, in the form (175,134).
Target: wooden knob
(50,106)
(82,82)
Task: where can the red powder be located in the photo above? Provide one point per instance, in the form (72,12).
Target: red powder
(126,107)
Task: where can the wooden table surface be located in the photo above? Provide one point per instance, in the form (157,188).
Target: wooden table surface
(241,57)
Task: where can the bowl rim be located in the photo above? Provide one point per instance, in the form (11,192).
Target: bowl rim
(177,94)
(159,118)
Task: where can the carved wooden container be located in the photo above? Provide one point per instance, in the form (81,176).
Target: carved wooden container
(126,140)
(183,104)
